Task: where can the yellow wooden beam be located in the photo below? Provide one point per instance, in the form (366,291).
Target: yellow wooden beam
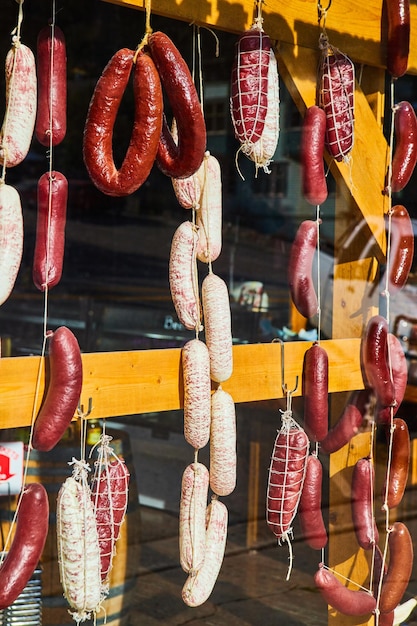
(358,28)
(128,383)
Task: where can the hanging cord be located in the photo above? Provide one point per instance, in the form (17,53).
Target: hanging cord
(148,29)
(318,222)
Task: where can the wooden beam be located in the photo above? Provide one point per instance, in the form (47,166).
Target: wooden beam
(129,383)
(358,28)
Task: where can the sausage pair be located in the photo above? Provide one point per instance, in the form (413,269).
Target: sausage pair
(151,139)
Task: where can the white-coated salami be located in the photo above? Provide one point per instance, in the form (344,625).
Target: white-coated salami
(197,393)
(78,547)
(11,239)
(199,586)
(193,505)
(222,443)
(183,280)
(209,213)
(21,102)
(217,323)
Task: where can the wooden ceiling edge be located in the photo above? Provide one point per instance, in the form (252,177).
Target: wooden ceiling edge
(357,29)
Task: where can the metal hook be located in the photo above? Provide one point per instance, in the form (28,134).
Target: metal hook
(287,392)
(80,408)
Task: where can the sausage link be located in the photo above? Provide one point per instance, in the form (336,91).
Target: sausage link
(11,239)
(398,36)
(101,117)
(21,99)
(401,248)
(192,516)
(309,510)
(63,391)
(405,153)
(399,568)
(222,443)
(300,267)
(209,213)
(286,476)
(50,230)
(51,118)
(363,483)
(399,371)
(315,392)
(27,545)
(396,477)
(374,353)
(348,423)
(183,280)
(217,322)
(182,159)
(312,150)
(197,393)
(78,548)
(199,585)
(346,601)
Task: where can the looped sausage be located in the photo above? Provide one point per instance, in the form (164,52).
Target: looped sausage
(182,159)
(101,116)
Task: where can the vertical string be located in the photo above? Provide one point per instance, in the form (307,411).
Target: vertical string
(318,275)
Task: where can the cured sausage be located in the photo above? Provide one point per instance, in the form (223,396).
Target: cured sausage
(399,372)
(249,85)
(309,509)
(374,353)
(286,476)
(401,248)
(312,152)
(363,483)
(315,392)
(218,326)
(192,517)
(300,268)
(209,212)
(405,153)
(48,256)
(199,585)
(28,543)
(21,100)
(63,392)
(109,495)
(397,475)
(346,601)
(348,423)
(197,393)
(399,568)
(183,279)
(222,443)
(398,39)
(182,159)
(101,116)
(11,239)
(336,98)
(262,151)
(51,119)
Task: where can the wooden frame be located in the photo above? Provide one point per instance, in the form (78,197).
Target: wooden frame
(135,382)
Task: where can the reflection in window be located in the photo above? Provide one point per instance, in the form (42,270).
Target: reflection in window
(274,184)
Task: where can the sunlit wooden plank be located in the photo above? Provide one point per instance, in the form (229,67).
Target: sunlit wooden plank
(359,28)
(126,383)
